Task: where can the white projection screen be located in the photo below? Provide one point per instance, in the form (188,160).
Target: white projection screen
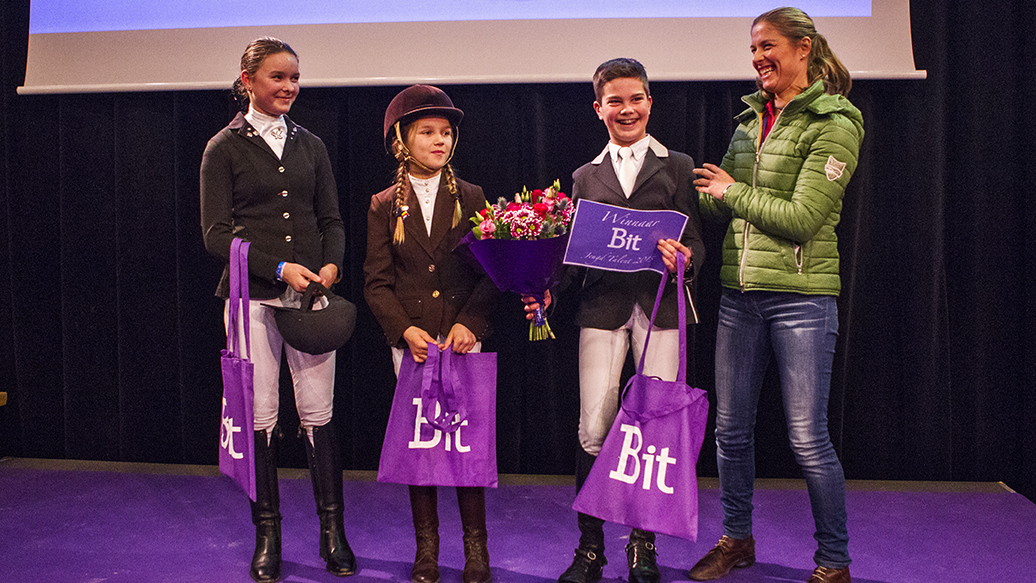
(83,46)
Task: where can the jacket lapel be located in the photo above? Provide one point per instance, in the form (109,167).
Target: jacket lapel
(604,172)
(654,161)
(413,224)
(252,135)
(652,164)
(443,221)
(289,140)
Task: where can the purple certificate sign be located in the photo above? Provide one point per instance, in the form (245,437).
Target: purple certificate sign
(616,238)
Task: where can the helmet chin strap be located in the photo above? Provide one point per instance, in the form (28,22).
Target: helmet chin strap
(409,158)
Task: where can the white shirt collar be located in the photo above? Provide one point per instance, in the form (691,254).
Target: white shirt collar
(263,123)
(640,148)
(655,146)
(425,191)
(273,130)
(426,184)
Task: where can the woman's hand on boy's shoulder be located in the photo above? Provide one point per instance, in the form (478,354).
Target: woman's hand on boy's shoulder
(712,180)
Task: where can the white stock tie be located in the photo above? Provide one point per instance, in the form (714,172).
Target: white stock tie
(627,170)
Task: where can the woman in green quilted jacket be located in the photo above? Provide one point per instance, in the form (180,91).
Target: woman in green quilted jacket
(780,187)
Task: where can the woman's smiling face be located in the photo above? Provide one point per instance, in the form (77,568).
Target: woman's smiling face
(780,62)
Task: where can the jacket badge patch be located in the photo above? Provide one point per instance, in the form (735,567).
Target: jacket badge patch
(834,168)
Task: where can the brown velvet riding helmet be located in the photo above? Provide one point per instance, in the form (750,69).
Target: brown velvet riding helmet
(415,102)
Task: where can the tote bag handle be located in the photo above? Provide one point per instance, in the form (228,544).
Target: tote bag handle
(238,311)
(681,375)
(678,394)
(439,385)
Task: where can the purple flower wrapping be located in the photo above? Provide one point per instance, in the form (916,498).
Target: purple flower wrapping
(526,267)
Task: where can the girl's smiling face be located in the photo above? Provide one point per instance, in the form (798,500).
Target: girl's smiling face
(275,85)
(780,62)
(430,141)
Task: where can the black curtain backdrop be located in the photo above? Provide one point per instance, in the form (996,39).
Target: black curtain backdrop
(110,333)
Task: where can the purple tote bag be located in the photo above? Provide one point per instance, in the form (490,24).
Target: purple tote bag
(442,428)
(645,476)
(236,455)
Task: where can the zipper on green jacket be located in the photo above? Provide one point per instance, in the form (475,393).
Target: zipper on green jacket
(755,172)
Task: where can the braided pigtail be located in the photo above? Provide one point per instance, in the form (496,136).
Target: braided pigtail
(451,185)
(399,207)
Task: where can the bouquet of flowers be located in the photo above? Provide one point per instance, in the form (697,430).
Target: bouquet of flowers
(539,214)
(520,244)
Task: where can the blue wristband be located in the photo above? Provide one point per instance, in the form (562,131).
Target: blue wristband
(280,268)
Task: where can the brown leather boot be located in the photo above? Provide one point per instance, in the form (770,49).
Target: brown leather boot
(829,575)
(726,555)
(424,506)
(472,503)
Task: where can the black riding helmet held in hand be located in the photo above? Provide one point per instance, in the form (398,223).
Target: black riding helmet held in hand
(316,331)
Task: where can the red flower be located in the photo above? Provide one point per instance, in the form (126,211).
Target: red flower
(513,206)
(536,195)
(540,208)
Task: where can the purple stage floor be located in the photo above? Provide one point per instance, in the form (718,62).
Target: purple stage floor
(64,521)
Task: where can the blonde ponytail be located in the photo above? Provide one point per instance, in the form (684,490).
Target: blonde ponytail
(823,64)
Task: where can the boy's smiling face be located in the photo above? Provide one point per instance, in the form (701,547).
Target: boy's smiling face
(624,108)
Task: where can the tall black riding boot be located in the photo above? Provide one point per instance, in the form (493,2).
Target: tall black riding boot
(424,503)
(472,503)
(640,557)
(266,516)
(588,564)
(325,470)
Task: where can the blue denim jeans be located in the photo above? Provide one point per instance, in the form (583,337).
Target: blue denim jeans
(800,331)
